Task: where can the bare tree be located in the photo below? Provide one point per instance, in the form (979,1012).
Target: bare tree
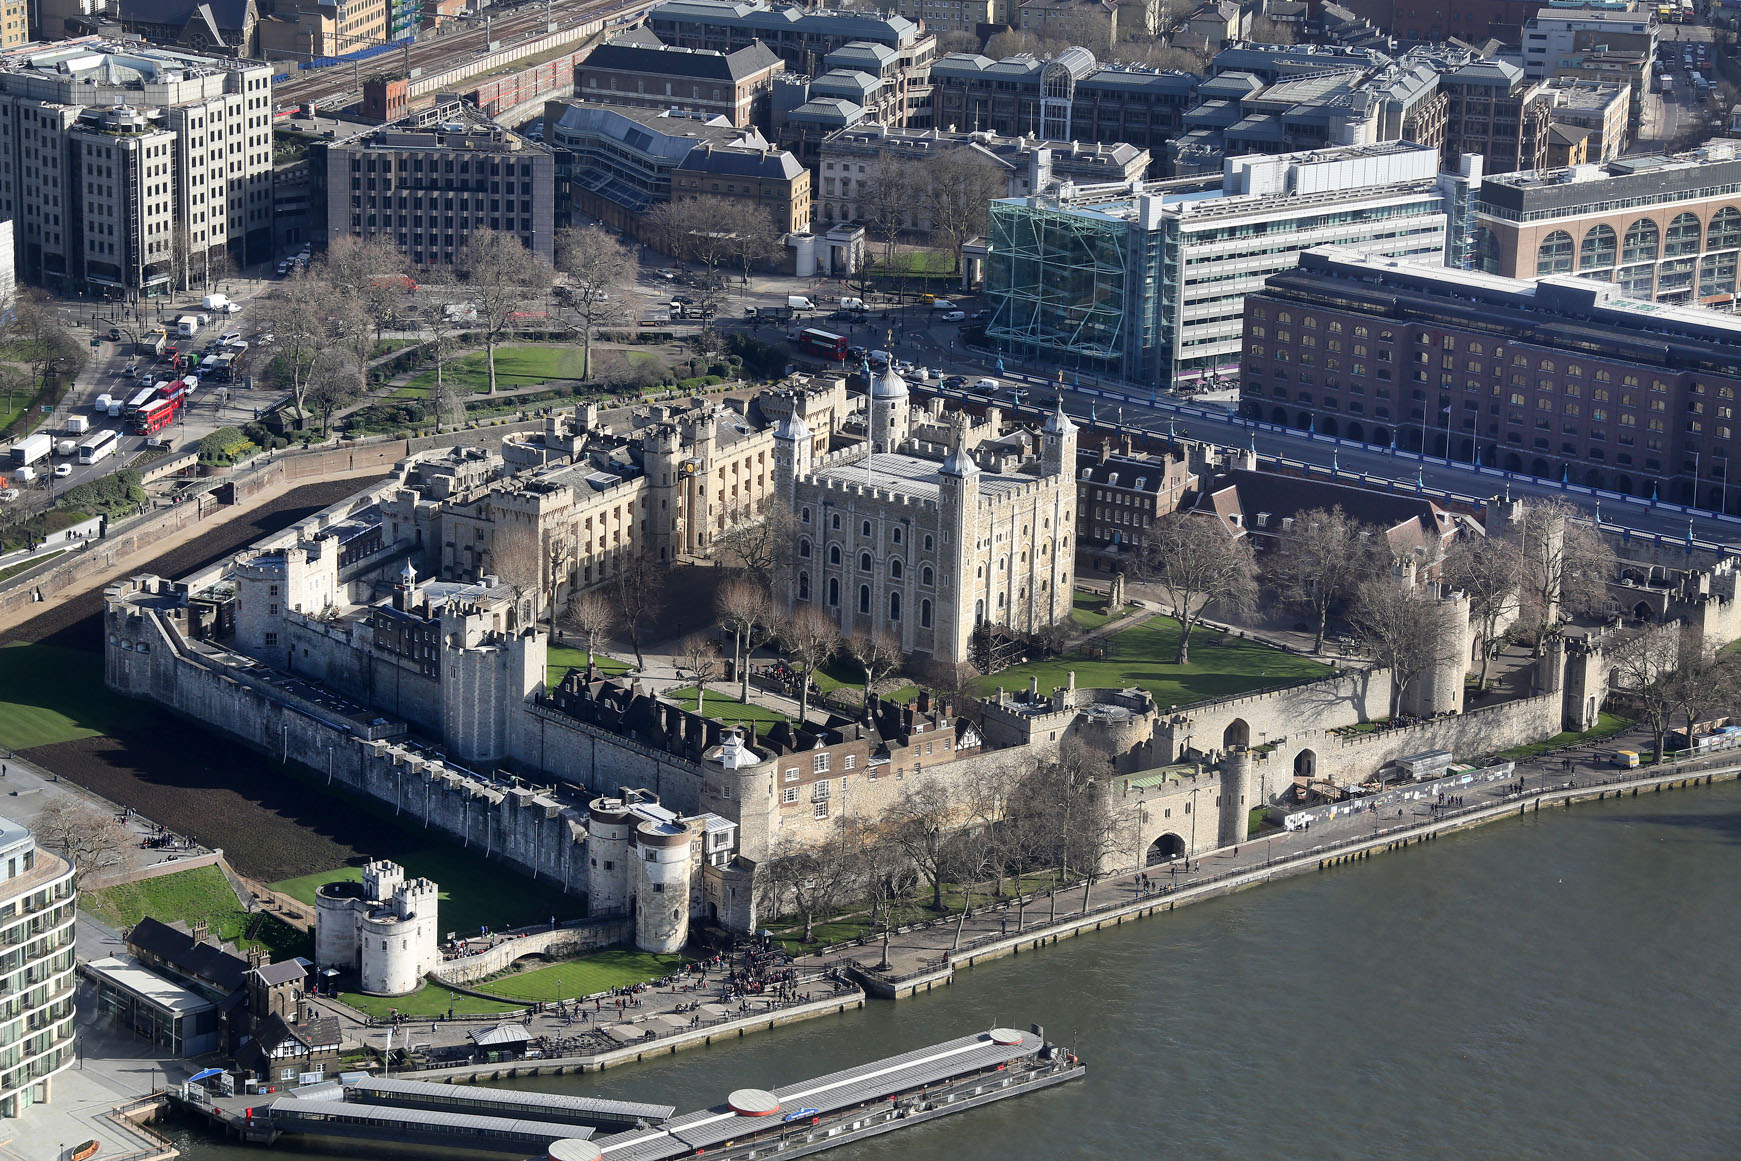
(879,654)
(1704,682)
(295,315)
(517,561)
(763,544)
(953,681)
(886,200)
(1564,567)
(700,656)
(637,588)
(38,338)
(1485,570)
(917,823)
(1321,561)
(88,838)
(1405,628)
(1643,668)
(598,272)
(745,610)
(1267,31)
(691,228)
(373,273)
(957,187)
(811,640)
(810,879)
(751,236)
(1196,561)
(502,276)
(593,616)
(335,379)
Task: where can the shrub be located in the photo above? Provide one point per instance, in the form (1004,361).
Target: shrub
(226,445)
(116,492)
(760,359)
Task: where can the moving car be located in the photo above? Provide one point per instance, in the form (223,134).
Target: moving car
(62,471)
(954,316)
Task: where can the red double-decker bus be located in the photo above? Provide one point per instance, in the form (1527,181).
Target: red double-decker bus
(823,344)
(156,416)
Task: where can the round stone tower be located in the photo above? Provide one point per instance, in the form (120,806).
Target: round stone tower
(609,827)
(1237,797)
(889,417)
(335,924)
(662,873)
(390,960)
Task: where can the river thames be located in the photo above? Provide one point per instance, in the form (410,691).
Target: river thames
(1556,987)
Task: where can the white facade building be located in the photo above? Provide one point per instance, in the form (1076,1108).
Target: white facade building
(38,903)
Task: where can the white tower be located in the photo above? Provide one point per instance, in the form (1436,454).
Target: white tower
(792,456)
(1058,444)
(662,874)
(890,422)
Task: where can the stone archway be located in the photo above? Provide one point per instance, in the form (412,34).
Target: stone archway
(1306,764)
(1237,734)
(1164,850)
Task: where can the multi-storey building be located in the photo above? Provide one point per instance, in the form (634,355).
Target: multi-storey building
(14,23)
(802,37)
(129,169)
(1069,98)
(38,904)
(1566,42)
(1147,283)
(1598,114)
(1664,228)
(734,85)
(1091,23)
(428,181)
(849,161)
(766,179)
(917,540)
(1119,498)
(1498,112)
(310,29)
(1562,378)
(951,15)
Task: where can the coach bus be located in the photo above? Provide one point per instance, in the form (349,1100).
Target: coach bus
(99,446)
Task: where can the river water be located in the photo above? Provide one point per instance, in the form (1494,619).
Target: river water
(1557,987)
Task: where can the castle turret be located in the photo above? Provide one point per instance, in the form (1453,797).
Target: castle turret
(662,871)
(1237,796)
(608,829)
(890,417)
(1058,444)
(793,455)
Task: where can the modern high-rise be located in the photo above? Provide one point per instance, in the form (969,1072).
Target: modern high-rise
(130,169)
(1666,228)
(1146,283)
(38,904)
(1561,378)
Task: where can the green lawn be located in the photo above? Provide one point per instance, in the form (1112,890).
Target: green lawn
(516,366)
(1221,665)
(429,1000)
(29,562)
(49,694)
(562,658)
(599,972)
(727,708)
(200,893)
(1607,725)
(1086,610)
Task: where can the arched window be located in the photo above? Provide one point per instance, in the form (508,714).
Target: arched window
(804,515)
(834,554)
(927,542)
(803,586)
(894,606)
(896,534)
(1554,255)
(804,547)
(925,614)
(926,576)
(834,591)
(864,562)
(1600,248)
(1640,243)
(864,529)
(834,522)
(1683,237)
(1725,231)
(864,598)
(895,569)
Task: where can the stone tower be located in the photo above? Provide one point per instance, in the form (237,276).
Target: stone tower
(608,828)
(792,457)
(662,459)
(1058,444)
(959,519)
(662,871)
(890,415)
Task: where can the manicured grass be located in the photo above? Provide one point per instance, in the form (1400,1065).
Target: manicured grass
(29,562)
(727,708)
(200,893)
(474,891)
(1221,665)
(562,658)
(519,366)
(49,694)
(429,1000)
(599,972)
(1607,725)
(1087,610)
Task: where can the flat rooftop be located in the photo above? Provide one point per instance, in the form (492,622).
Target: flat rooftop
(905,475)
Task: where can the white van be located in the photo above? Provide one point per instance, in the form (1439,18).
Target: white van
(850,303)
(987,386)
(799,302)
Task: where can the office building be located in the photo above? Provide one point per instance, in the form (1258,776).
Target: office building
(1497,111)
(951,15)
(426,182)
(1593,116)
(311,29)
(850,160)
(1562,378)
(768,180)
(129,169)
(1146,283)
(1591,44)
(38,904)
(1090,23)
(1666,228)
(734,85)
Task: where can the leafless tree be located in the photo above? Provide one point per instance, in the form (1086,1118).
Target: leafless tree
(1196,561)
(751,236)
(879,654)
(374,273)
(89,838)
(502,277)
(593,616)
(1066,817)
(637,588)
(886,200)
(764,544)
(1704,682)
(1321,561)
(334,380)
(1267,31)
(295,314)
(746,612)
(988,796)
(1485,570)
(1643,668)
(956,188)
(1564,567)
(918,823)
(691,228)
(811,640)
(953,681)
(598,273)
(1015,41)
(1404,628)
(811,879)
(517,561)
(699,654)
